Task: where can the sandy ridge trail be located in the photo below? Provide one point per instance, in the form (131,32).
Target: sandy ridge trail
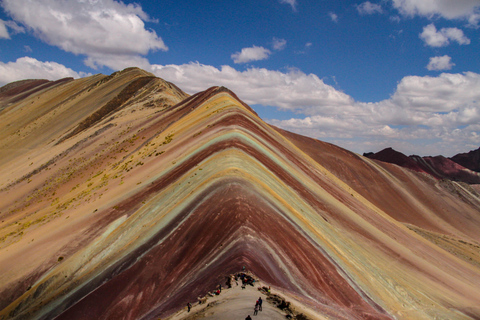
(237,303)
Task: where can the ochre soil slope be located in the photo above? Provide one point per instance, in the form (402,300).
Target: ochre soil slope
(125,198)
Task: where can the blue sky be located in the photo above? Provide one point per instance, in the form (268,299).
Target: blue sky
(363,75)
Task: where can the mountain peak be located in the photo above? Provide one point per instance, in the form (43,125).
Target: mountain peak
(124,186)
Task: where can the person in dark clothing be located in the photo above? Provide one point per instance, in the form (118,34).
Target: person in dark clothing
(248,318)
(260,303)
(189,306)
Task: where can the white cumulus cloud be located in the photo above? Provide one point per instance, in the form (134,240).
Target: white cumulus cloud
(251,54)
(279,44)
(333,16)
(293,3)
(442,38)
(445,93)
(369,8)
(448,9)
(440,63)
(3,30)
(100,29)
(31,68)
(14,27)
(293,90)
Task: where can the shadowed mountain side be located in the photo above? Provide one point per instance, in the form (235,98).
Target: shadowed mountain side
(392,156)
(438,167)
(156,202)
(470,160)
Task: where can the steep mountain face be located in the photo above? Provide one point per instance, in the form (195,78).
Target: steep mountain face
(124,198)
(438,167)
(470,160)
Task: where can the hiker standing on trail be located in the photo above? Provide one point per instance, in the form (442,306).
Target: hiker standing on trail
(189,306)
(248,318)
(255,311)
(260,303)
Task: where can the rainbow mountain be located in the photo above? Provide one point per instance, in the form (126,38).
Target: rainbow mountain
(122,197)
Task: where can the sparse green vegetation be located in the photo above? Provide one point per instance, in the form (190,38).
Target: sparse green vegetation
(168,139)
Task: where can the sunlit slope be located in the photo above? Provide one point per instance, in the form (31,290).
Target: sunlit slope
(44,115)
(38,183)
(151,206)
(409,197)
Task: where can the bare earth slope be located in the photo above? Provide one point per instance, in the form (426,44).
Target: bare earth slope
(123,198)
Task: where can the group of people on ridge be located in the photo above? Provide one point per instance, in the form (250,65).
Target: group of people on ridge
(246,279)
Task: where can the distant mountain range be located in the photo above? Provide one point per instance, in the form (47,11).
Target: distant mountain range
(464,167)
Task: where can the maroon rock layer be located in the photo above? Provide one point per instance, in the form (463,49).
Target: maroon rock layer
(438,167)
